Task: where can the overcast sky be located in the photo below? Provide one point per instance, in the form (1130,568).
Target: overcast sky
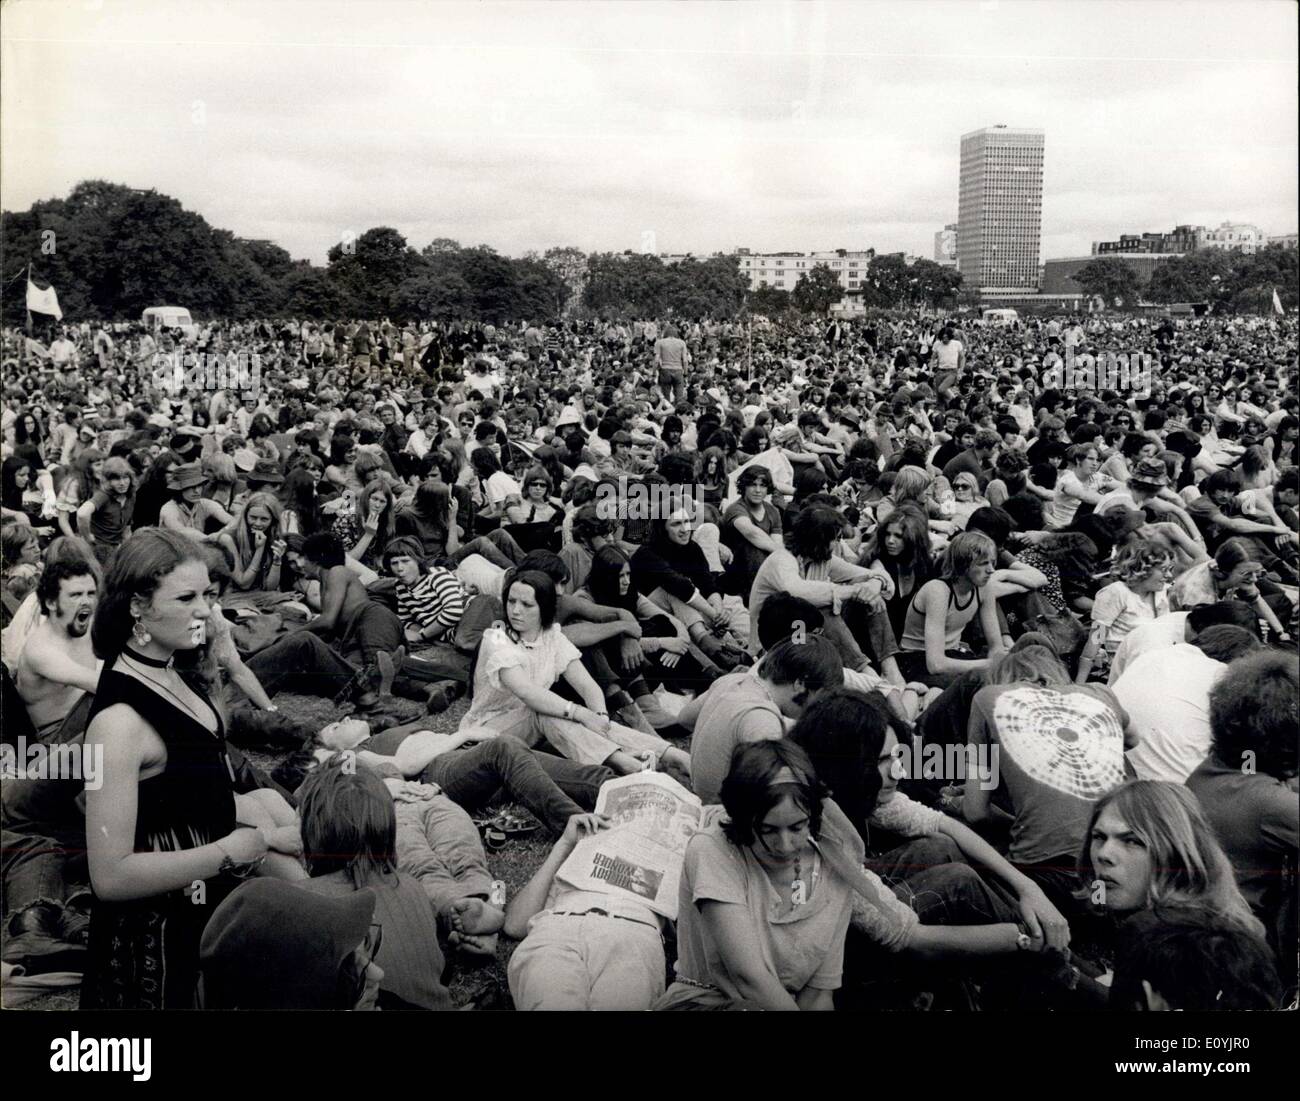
(681,127)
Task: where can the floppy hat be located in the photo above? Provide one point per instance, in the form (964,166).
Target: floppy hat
(1149,472)
(185,476)
(245,459)
(266,471)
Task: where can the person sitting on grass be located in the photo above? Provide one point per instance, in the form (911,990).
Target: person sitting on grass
(350,836)
(582,949)
(517,664)
(350,616)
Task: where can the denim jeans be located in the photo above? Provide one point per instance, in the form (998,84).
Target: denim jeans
(302,662)
(931,875)
(499,547)
(438,844)
(552,788)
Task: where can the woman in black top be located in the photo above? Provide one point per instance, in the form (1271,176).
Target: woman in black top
(160,822)
(901,547)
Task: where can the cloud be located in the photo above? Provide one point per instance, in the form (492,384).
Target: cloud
(771,125)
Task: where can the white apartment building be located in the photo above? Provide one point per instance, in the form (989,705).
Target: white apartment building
(783,270)
(1235,237)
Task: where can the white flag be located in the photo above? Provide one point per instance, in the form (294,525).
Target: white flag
(43,301)
(1277,302)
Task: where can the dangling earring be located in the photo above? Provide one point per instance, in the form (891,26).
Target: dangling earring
(140,634)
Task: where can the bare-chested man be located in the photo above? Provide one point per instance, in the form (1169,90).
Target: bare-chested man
(58,665)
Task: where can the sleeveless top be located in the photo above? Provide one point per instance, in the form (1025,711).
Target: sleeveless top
(955,620)
(191,802)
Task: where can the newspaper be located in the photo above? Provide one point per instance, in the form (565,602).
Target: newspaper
(640,856)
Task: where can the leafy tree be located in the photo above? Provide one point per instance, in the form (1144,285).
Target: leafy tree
(886,283)
(1111,278)
(933,284)
(818,290)
(769,301)
(570,265)
(1196,277)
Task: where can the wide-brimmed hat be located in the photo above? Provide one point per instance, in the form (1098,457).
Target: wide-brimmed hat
(185,476)
(266,471)
(1149,472)
(183,439)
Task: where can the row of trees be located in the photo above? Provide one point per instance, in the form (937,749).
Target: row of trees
(111,251)
(1232,282)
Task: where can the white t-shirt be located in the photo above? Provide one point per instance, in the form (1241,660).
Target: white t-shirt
(1156,635)
(500,487)
(1167,696)
(946,355)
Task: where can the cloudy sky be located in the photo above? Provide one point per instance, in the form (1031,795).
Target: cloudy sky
(669,126)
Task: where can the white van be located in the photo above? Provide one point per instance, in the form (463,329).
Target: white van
(1000,317)
(169,317)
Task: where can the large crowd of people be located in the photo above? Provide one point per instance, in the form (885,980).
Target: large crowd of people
(790,564)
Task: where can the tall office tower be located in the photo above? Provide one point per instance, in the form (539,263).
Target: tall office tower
(1000,208)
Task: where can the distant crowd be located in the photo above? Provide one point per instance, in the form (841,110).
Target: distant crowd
(784,563)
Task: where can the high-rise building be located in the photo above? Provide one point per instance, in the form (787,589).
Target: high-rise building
(1000,208)
(945,246)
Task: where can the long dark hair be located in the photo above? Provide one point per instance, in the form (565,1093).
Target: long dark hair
(843,732)
(11,494)
(299,494)
(607,564)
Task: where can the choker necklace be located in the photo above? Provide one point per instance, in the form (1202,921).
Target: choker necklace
(154,662)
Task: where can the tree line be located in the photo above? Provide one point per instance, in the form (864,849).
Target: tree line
(1230,282)
(111,251)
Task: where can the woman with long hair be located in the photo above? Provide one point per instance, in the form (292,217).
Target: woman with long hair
(853,743)
(712,477)
(222,480)
(901,548)
(162,824)
(79,485)
(29,429)
(255,547)
(152,493)
(300,512)
(535,520)
(768,893)
(668,658)
(20,499)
